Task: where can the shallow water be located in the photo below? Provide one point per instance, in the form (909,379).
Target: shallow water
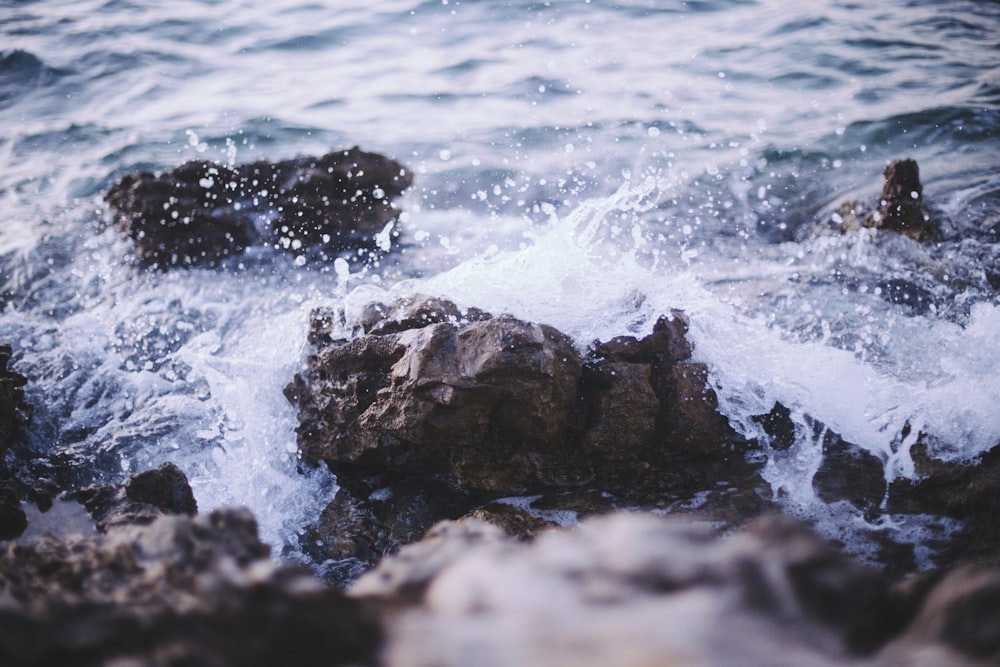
(583,164)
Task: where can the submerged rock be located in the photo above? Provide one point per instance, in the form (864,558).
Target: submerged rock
(181,590)
(634,589)
(203,212)
(900,208)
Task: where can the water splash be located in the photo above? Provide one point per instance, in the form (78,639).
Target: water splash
(604,270)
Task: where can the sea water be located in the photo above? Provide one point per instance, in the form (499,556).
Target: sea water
(586,164)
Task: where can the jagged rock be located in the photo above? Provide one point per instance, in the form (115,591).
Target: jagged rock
(472,408)
(501,405)
(144,497)
(900,208)
(486,405)
(203,212)
(635,589)
(193,591)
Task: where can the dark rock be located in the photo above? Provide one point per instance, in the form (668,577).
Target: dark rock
(14,410)
(12,518)
(193,591)
(203,212)
(633,589)
(778,426)
(486,405)
(649,402)
(966,491)
(517,522)
(14,415)
(146,496)
(438,413)
(900,208)
(501,405)
(371,516)
(957,622)
(185,217)
(849,473)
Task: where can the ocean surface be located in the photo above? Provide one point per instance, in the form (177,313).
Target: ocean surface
(586,164)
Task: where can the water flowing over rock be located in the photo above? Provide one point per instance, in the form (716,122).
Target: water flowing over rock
(635,589)
(181,590)
(203,212)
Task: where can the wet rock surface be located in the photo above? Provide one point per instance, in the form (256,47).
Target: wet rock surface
(14,413)
(477,407)
(900,208)
(14,410)
(144,497)
(496,404)
(635,589)
(968,492)
(203,212)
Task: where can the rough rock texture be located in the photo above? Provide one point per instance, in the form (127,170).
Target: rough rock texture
(634,589)
(14,413)
(144,497)
(501,405)
(900,208)
(180,591)
(428,413)
(203,212)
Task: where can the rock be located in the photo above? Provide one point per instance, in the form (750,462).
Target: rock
(203,212)
(193,591)
(431,413)
(900,208)
(14,414)
(649,402)
(849,473)
(498,404)
(14,410)
(144,497)
(372,515)
(515,521)
(958,622)
(13,520)
(965,491)
(631,589)
(486,405)
(185,217)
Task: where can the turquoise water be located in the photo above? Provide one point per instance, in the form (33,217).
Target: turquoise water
(582,163)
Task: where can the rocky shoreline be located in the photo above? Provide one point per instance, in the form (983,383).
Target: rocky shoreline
(506,498)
